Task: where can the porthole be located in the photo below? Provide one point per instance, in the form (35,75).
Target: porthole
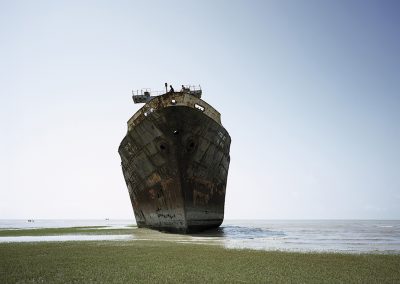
(190,145)
(163,146)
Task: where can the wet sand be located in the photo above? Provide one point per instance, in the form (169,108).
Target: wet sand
(340,236)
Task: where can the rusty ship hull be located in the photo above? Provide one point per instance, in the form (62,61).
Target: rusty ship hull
(175,161)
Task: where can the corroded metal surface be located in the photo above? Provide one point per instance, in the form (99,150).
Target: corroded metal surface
(173,99)
(175,160)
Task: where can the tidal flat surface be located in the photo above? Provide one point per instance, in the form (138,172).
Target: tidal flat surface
(342,236)
(171,262)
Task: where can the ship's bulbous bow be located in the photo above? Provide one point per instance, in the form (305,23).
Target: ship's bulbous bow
(175,160)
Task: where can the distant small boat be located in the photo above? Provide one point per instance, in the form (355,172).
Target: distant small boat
(31,221)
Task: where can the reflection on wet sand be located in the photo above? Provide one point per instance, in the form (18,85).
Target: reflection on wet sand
(315,235)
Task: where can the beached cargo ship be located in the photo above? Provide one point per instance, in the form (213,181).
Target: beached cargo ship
(175,161)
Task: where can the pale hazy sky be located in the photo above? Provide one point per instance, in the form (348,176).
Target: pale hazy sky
(308,90)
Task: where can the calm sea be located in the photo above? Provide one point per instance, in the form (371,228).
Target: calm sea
(350,236)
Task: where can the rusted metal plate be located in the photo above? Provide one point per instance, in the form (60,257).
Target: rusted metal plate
(175,162)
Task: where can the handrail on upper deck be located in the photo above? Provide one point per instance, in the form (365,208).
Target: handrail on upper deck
(146,94)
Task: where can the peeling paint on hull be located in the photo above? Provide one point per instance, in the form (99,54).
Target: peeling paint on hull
(175,161)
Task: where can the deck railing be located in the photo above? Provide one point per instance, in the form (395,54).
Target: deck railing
(146,94)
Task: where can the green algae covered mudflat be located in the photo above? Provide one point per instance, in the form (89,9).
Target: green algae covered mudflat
(87,230)
(169,262)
